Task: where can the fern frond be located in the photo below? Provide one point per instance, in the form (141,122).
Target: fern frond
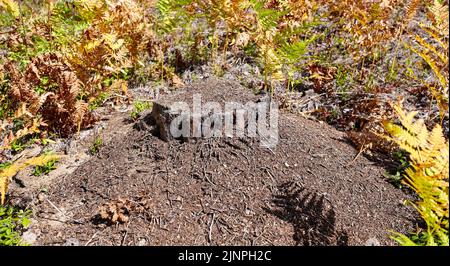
(432,63)
(272,62)
(7,172)
(402,239)
(412,8)
(429,48)
(433,49)
(439,14)
(428,175)
(164,8)
(411,136)
(294,51)
(11,7)
(267,17)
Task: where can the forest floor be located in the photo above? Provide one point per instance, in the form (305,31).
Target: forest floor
(314,188)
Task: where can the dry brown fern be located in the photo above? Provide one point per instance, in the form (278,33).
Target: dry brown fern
(412,8)
(432,44)
(59,106)
(370,24)
(119,32)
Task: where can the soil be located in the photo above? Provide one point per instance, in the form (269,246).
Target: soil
(312,189)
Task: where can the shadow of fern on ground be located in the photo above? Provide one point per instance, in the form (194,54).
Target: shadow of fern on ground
(312,217)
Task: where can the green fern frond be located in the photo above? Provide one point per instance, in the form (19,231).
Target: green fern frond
(170,12)
(164,8)
(267,17)
(402,239)
(294,51)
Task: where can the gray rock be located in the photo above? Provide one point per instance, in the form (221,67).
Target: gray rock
(372,242)
(72,242)
(29,237)
(142,242)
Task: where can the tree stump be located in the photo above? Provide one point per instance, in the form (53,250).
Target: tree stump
(210,108)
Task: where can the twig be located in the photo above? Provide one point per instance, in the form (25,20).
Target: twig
(7,31)
(210,228)
(92,238)
(126,233)
(54,206)
(168,199)
(357,155)
(267,146)
(51,219)
(314,155)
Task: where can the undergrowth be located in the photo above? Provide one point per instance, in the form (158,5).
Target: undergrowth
(61,60)
(12,222)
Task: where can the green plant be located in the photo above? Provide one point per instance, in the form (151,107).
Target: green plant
(396,176)
(17,145)
(342,78)
(428,176)
(95,147)
(139,107)
(45,168)
(170,14)
(4,165)
(98,101)
(12,222)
